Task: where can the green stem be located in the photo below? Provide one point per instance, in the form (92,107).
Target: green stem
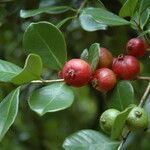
(81,6)
(141,31)
(47,81)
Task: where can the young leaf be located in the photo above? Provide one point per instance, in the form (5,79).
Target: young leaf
(89,140)
(88,23)
(8,111)
(128,8)
(119,122)
(31,71)
(121,96)
(94,55)
(51,98)
(104,17)
(46,40)
(48,9)
(8,71)
(84,55)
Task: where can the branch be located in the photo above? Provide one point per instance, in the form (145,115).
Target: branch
(140,105)
(81,6)
(47,81)
(143,78)
(145,95)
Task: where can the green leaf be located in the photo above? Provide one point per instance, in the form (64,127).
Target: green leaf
(144,17)
(31,71)
(89,140)
(48,9)
(121,96)
(104,17)
(144,4)
(84,55)
(119,122)
(94,55)
(51,98)
(46,40)
(128,8)
(8,71)
(8,111)
(88,23)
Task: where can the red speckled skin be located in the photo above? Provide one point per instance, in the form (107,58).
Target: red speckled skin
(136,47)
(126,67)
(104,79)
(77,72)
(106,58)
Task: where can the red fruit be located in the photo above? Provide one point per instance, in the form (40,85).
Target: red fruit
(126,67)
(77,72)
(136,47)
(106,58)
(104,79)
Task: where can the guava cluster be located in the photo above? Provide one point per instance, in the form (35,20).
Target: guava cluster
(77,72)
(137,120)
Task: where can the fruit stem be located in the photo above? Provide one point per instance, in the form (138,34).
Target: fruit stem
(140,105)
(47,81)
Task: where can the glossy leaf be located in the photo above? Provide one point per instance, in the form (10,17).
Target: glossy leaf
(119,123)
(122,96)
(8,71)
(48,9)
(84,55)
(89,140)
(51,98)
(104,17)
(88,23)
(8,111)
(31,71)
(46,40)
(94,55)
(144,4)
(128,8)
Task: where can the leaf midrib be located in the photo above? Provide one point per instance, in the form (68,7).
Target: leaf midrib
(55,58)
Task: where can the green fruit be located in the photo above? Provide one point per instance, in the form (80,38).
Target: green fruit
(107,120)
(137,119)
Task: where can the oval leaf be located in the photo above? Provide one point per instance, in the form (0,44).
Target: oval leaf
(84,55)
(128,8)
(89,140)
(8,111)
(88,23)
(51,98)
(8,71)
(94,55)
(119,122)
(122,96)
(31,71)
(46,40)
(104,16)
(48,9)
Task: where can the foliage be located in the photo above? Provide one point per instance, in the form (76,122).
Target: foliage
(65,23)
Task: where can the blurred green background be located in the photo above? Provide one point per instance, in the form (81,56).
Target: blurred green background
(48,132)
